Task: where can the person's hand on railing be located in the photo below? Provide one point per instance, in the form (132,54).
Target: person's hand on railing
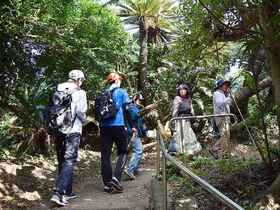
(172,126)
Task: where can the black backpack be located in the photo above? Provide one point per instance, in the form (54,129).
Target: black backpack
(58,116)
(105,107)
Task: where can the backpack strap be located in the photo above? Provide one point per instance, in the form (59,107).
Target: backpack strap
(112,91)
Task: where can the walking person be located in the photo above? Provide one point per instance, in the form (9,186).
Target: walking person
(134,110)
(67,115)
(112,130)
(221,103)
(184,140)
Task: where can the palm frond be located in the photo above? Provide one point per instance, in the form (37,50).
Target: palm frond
(157,14)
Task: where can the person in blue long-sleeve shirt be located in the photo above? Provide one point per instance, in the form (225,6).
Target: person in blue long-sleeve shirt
(135,117)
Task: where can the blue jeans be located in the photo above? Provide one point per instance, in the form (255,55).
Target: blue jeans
(136,155)
(173,147)
(67,154)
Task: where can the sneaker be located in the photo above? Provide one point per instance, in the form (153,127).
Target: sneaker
(136,172)
(172,153)
(111,190)
(116,184)
(108,189)
(58,199)
(130,175)
(70,196)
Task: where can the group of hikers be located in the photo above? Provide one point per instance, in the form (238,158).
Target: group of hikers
(183,139)
(121,123)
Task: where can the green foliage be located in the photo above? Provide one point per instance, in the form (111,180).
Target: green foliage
(153,11)
(227,166)
(255,115)
(71,34)
(90,38)
(7,140)
(74,34)
(83,34)
(200,162)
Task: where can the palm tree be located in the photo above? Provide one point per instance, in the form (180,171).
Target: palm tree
(149,16)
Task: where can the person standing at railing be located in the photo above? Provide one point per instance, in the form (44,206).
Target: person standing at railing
(221,103)
(184,140)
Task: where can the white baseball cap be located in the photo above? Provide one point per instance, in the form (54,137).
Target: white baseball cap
(76,74)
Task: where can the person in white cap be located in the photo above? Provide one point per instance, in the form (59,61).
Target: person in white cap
(68,137)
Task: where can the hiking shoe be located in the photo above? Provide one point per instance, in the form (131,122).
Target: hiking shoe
(111,190)
(70,196)
(172,153)
(58,199)
(108,189)
(116,184)
(130,175)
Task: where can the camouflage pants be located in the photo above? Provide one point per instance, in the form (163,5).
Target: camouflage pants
(223,146)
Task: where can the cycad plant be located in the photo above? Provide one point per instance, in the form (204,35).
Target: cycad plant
(152,19)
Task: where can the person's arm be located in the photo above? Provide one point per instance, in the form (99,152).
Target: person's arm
(128,112)
(144,128)
(126,101)
(174,112)
(221,101)
(81,106)
(228,100)
(175,107)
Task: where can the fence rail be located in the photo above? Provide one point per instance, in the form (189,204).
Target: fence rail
(206,116)
(163,156)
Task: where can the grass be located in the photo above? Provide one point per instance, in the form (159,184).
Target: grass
(218,173)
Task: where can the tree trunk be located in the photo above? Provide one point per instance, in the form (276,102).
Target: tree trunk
(246,92)
(271,42)
(143,58)
(243,95)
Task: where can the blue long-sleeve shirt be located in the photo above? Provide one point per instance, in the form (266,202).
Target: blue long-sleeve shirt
(137,120)
(121,98)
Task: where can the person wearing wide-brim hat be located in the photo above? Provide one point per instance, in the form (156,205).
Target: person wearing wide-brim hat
(221,103)
(220,83)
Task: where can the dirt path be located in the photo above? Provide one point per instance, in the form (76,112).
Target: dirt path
(135,196)
(136,193)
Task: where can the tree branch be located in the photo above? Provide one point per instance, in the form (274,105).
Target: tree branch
(213,14)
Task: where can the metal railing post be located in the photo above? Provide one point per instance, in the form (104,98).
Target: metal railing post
(158,156)
(181,146)
(186,171)
(164,183)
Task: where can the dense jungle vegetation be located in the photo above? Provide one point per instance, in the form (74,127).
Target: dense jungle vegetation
(155,45)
